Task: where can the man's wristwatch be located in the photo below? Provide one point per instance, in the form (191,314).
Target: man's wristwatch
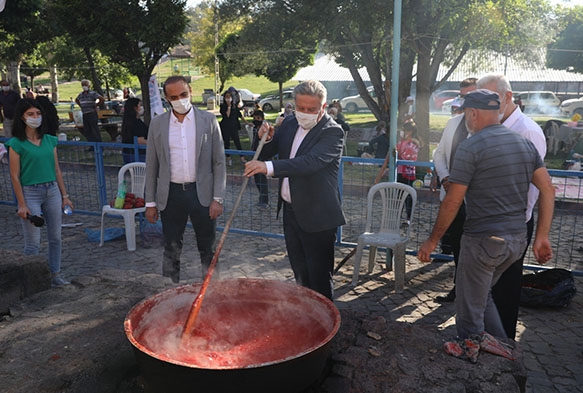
(218,200)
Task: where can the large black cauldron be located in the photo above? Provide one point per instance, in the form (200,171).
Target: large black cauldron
(251,336)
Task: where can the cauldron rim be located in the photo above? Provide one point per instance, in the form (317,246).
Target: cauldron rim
(335,314)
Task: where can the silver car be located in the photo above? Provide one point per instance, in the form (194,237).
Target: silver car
(355,103)
(271,103)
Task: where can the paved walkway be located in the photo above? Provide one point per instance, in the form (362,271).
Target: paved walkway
(551,339)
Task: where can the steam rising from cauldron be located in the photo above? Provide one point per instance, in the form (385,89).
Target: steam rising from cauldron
(234,330)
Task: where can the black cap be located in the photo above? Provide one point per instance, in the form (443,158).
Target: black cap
(481,99)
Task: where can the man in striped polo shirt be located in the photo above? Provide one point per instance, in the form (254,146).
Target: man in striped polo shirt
(89,100)
(492,170)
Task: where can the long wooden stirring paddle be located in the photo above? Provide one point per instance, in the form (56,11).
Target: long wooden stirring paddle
(196,305)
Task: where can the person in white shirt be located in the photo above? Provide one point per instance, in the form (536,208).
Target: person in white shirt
(506,292)
(309,148)
(454,133)
(185,175)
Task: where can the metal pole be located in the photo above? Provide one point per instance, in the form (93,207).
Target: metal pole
(395,87)
(216,16)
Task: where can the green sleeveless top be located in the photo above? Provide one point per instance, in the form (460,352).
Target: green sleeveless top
(37,163)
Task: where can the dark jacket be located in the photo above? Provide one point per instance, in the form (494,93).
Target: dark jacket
(312,173)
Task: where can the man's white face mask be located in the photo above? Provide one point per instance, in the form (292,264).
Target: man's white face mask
(502,110)
(182,105)
(307,120)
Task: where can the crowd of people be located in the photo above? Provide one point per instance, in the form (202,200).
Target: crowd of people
(487,197)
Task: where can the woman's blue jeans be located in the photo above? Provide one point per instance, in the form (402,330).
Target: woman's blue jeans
(44,198)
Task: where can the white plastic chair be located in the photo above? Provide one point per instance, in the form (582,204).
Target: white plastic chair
(134,175)
(384,227)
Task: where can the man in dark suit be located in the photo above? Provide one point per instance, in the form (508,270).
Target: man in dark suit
(309,144)
(185,175)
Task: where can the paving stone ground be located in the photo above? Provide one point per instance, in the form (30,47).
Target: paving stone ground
(551,339)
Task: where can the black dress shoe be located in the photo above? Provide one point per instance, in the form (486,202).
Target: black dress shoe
(450,297)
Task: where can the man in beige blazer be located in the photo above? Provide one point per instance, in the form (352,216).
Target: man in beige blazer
(185,175)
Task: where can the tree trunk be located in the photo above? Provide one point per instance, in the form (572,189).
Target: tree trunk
(95,79)
(14,75)
(145,86)
(54,83)
(280,84)
(423,93)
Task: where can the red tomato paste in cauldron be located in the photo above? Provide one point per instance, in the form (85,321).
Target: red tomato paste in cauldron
(242,323)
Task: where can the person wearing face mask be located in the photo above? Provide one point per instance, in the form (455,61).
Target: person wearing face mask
(8,100)
(309,148)
(506,292)
(38,183)
(260,178)
(230,125)
(89,100)
(453,134)
(185,175)
(289,110)
(492,171)
(132,126)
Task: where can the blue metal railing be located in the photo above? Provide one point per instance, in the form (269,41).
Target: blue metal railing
(90,172)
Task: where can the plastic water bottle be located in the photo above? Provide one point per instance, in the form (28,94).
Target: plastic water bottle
(68,210)
(121,195)
(428,178)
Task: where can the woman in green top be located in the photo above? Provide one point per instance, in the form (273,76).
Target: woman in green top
(38,183)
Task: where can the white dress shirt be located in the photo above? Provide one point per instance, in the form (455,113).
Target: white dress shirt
(528,128)
(298,139)
(182,142)
(442,154)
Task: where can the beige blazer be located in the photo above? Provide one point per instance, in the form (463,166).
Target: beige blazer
(210,163)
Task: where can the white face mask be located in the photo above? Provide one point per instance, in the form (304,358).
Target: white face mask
(141,111)
(33,122)
(228,100)
(307,120)
(182,105)
(502,109)
(5,88)
(85,88)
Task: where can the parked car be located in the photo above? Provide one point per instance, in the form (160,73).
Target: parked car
(113,94)
(571,106)
(247,97)
(271,102)
(447,105)
(438,97)
(538,101)
(355,103)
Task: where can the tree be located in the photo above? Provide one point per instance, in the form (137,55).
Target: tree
(17,38)
(566,51)
(269,42)
(434,34)
(149,29)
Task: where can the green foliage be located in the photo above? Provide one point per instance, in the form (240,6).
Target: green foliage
(21,28)
(269,42)
(566,52)
(134,34)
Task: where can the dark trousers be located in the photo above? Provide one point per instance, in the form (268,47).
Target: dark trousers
(311,254)
(506,292)
(183,203)
(454,234)
(91,127)
(227,134)
(409,200)
(261,183)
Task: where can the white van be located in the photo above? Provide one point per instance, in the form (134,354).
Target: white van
(538,101)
